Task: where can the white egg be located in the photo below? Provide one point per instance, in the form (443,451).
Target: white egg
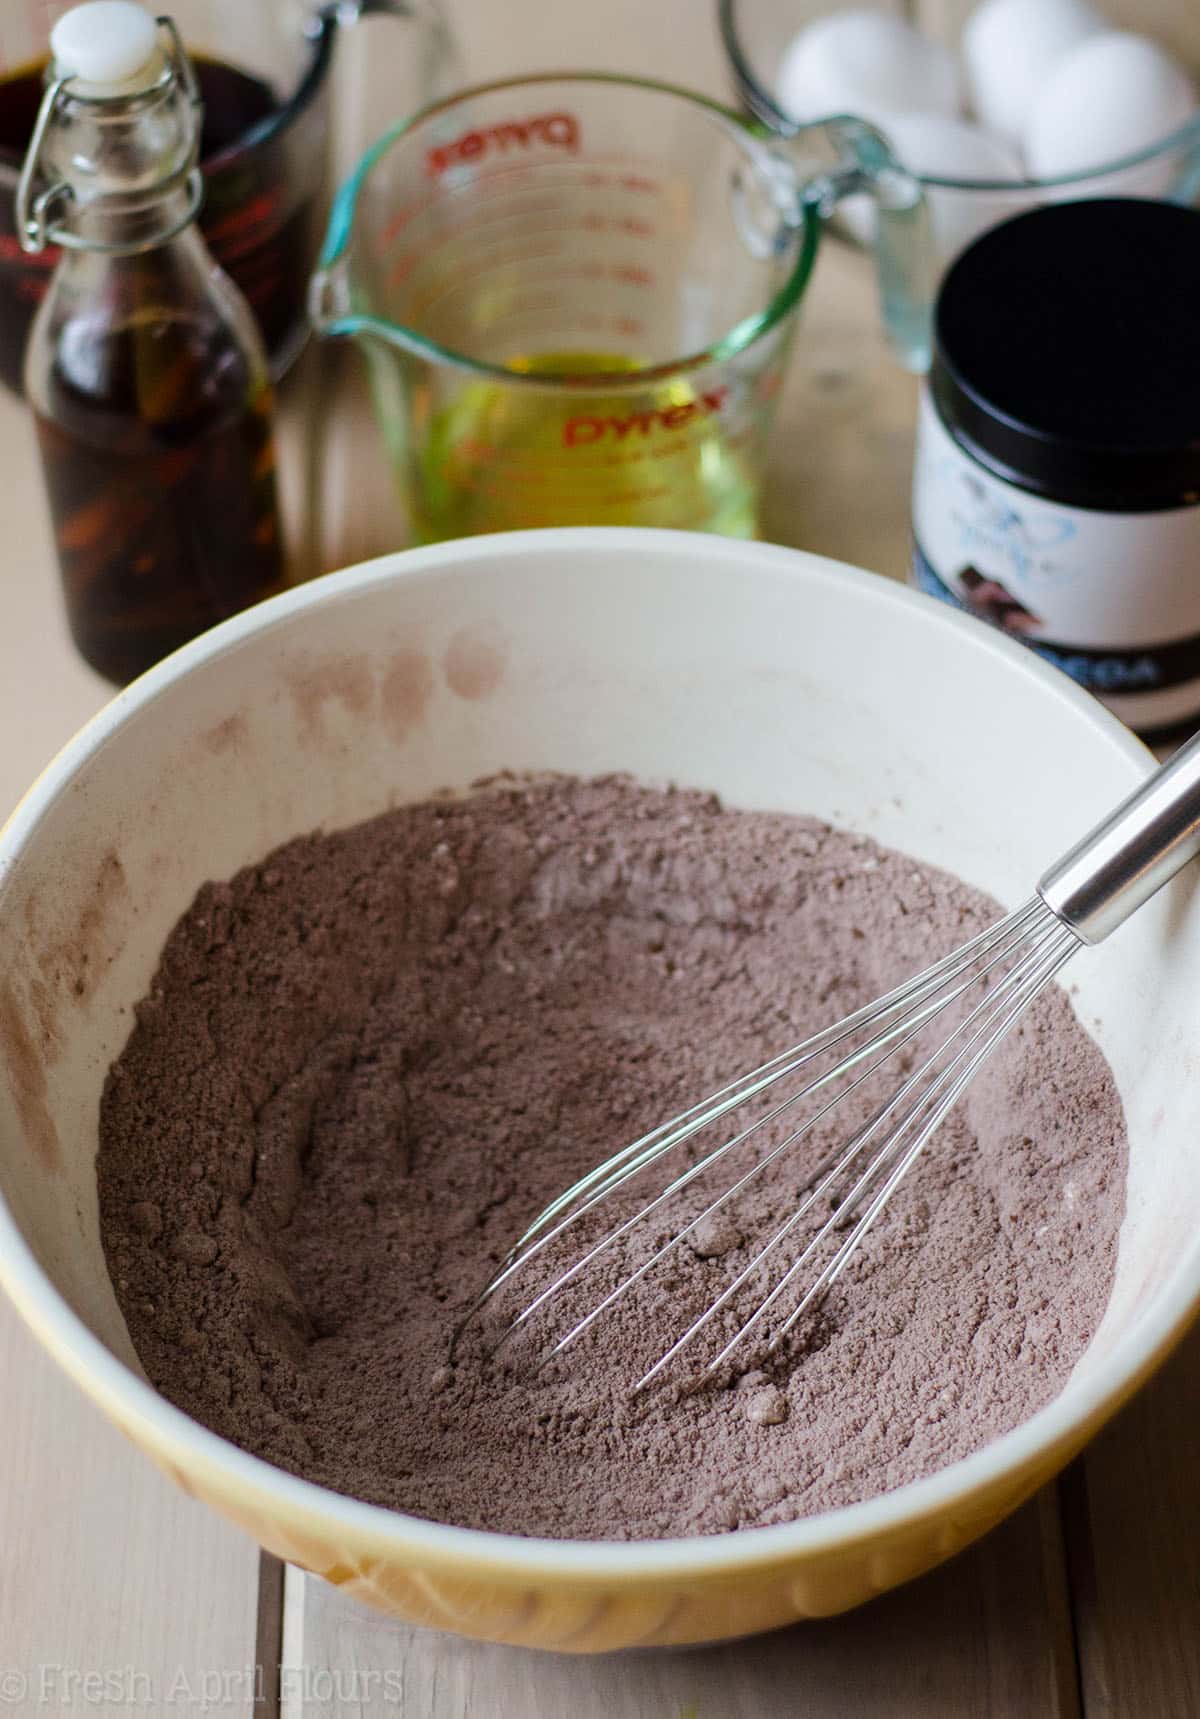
(950,148)
(865,63)
(932,144)
(1010,47)
(1113,96)
(857,215)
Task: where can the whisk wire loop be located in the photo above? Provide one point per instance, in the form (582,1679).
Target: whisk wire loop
(924,1086)
(1081,900)
(1013,999)
(894,1040)
(904,1001)
(1011,961)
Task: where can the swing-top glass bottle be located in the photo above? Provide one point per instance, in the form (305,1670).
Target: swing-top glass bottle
(145,370)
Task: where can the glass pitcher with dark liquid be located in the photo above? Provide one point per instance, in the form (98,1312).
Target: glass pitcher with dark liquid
(263,67)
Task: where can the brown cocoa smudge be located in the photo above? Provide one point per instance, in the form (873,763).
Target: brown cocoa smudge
(85,951)
(225,736)
(161,864)
(346,680)
(405,691)
(71,960)
(68,961)
(475,662)
(27,1079)
(42,1000)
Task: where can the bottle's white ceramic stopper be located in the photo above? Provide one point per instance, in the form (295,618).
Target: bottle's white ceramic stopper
(106,45)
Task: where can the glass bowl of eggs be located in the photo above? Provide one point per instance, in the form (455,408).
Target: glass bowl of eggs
(984,110)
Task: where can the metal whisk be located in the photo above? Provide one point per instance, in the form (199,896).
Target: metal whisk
(983,989)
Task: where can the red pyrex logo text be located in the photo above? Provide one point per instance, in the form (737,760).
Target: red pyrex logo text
(583,431)
(558,130)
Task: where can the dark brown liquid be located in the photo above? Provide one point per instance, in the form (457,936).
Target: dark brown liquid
(161,480)
(261,215)
(233,102)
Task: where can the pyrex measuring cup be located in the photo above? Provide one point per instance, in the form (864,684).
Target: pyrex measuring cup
(575,295)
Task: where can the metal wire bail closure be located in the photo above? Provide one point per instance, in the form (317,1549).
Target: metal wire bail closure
(38,215)
(34,229)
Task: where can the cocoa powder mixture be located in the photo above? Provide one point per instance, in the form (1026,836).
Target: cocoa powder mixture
(366,1062)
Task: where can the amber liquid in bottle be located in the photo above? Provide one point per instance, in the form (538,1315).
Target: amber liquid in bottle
(148,384)
(159,464)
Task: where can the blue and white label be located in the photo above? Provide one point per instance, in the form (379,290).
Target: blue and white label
(1113,599)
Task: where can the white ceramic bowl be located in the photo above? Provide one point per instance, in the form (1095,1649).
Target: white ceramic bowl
(775,678)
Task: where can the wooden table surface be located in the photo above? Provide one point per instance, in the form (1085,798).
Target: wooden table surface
(119,1595)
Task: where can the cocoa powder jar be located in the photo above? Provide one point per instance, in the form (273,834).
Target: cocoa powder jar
(1057,475)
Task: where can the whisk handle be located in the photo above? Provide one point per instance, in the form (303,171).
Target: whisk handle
(1138,847)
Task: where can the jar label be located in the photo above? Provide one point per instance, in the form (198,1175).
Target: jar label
(1113,599)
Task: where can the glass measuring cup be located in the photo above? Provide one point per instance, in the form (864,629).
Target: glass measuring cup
(575,295)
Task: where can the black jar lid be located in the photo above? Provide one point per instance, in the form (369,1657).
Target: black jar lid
(1067,353)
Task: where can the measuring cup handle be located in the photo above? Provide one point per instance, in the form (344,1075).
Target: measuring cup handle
(907,266)
(905,254)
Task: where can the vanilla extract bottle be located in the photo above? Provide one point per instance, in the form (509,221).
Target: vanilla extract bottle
(144,370)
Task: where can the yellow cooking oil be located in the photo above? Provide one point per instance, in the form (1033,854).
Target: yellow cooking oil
(496,457)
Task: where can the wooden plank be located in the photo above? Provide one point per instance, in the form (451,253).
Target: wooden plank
(1067,1693)
(106,1569)
(1133,1519)
(675,40)
(985,1634)
(839,467)
(103,1565)
(268,1642)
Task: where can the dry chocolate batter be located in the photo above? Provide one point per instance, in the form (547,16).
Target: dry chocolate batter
(367,1061)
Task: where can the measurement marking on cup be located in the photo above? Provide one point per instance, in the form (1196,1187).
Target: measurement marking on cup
(633,224)
(435,286)
(408,266)
(622,182)
(485,268)
(475,237)
(501,228)
(511,212)
(567,172)
(560,222)
(473,260)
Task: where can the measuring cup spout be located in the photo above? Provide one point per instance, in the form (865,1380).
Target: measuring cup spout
(334,311)
(329,297)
